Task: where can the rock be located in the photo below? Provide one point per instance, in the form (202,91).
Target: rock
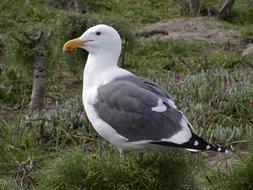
(248,50)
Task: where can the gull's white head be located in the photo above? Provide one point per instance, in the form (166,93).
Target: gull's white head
(99,39)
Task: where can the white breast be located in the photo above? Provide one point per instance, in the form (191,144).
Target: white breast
(90,97)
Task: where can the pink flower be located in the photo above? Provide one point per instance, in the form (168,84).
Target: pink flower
(178,77)
(226,81)
(81,114)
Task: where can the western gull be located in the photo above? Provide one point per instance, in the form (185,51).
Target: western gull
(131,112)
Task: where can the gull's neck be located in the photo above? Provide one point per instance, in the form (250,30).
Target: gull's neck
(98,68)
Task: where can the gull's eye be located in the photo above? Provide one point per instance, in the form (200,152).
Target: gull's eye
(98,33)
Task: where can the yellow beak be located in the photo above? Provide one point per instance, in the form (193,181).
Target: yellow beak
(72,44)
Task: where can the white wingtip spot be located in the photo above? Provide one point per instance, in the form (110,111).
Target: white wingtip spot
(160,106)
(208,147)
(219,149)
(226,151)
(196,143)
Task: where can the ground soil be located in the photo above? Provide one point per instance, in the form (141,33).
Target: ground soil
(191,29)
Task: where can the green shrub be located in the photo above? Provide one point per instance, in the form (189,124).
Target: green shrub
(21,18)
(242,13)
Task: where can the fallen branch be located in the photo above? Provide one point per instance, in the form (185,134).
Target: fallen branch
(150,33)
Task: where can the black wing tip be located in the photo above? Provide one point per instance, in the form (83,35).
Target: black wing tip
(219,148)
(197,143)
(223,149)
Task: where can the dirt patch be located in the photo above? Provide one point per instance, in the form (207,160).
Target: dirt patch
(224,161)
(190,29)
(248,50)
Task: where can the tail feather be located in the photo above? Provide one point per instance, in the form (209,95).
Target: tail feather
(195,143)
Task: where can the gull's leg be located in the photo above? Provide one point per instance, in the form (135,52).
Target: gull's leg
(122,155)
(141,155)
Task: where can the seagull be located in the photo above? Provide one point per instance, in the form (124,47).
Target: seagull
(131,112)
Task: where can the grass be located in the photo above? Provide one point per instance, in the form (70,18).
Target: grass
(182,57)
(59,149)
(139,12)
(49,138)
(86,160)
(7,185)
(106,171)
(237,177)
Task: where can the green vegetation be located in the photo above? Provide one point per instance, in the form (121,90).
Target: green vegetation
(58,148)
(237,177)
(182,57)
(77,170)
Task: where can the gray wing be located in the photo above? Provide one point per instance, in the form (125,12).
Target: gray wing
(155,88)
(126,105)
(149,85)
